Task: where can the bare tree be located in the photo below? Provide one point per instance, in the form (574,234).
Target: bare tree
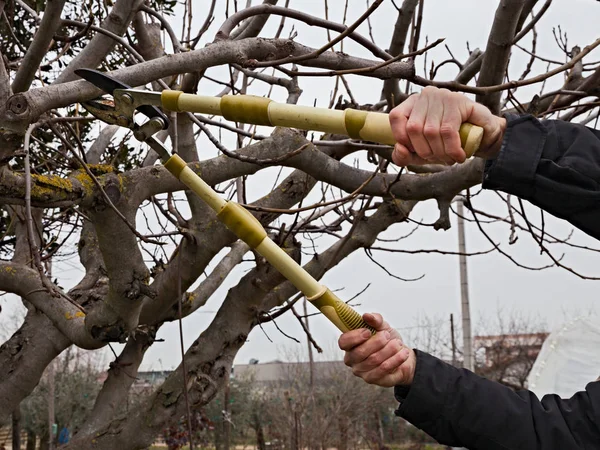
(70,186)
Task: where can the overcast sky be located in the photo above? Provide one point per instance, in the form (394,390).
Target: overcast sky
(548,296)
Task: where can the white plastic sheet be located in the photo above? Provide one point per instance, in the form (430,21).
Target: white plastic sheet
(568,360)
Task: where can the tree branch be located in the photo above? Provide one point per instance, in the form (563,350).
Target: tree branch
(253,26)
(25,282)
(25,356)
(38,48)
(100,45)
(194,300)
(25,108)
(497,52)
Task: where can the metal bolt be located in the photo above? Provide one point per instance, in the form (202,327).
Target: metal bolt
(126,98)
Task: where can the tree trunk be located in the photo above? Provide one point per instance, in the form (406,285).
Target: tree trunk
(379,438)
(226,418)
(44,442)
(16,429)
(31,440)
(295,432)
(343,445)
(260,434)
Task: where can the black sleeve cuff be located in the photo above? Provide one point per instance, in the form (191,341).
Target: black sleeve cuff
(515,167)
(423,401)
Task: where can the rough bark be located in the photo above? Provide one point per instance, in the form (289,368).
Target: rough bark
(24,357)
(121,375)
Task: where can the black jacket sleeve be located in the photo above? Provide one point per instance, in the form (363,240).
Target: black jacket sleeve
(458,408)
(554,165)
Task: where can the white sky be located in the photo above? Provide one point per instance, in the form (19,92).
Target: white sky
(547,296)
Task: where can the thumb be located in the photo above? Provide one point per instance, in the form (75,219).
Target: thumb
(375,320)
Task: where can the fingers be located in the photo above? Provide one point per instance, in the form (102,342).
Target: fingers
(375,359)
(351,339)
(415,127)
(398,119)
(402,156)
(362,351)
(449,126)
(376,321)
(426,128)
(391,366)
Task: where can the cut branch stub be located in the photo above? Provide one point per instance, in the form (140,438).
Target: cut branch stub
(18,105)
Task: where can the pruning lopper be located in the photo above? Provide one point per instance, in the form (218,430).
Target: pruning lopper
(369,126)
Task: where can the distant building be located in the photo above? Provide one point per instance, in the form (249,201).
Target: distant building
(508,358)
(278,372)
(263,374)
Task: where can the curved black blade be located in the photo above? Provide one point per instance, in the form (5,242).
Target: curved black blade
(108,84)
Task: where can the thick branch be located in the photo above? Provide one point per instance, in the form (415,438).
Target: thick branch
(51,190)
(391,88)
(25,282)
(100,45)
(121,375)
(497,52)
(317,164)
(24,108)
(127,273)
(100,144)
(24,357)
(234,19)
(191,301)
(5,91)
(39,46)
(253,26)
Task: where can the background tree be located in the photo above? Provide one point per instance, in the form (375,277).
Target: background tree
(152,253)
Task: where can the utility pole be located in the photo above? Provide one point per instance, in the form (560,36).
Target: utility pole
(464,291)
(453,341)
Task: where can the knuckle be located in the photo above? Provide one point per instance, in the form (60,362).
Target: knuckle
(447,131)
(347,360)
(395,114)
(374,359)
(369,378)
(396,345)
(358,355)
(431,131)
(414,127)
(387,367)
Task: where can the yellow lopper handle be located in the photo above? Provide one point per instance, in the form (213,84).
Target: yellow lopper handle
(368,126)
(246,227)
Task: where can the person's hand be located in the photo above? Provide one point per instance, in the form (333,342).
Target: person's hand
(426,126)
(380,359)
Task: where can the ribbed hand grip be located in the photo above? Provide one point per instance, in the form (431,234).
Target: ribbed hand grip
(350,317)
